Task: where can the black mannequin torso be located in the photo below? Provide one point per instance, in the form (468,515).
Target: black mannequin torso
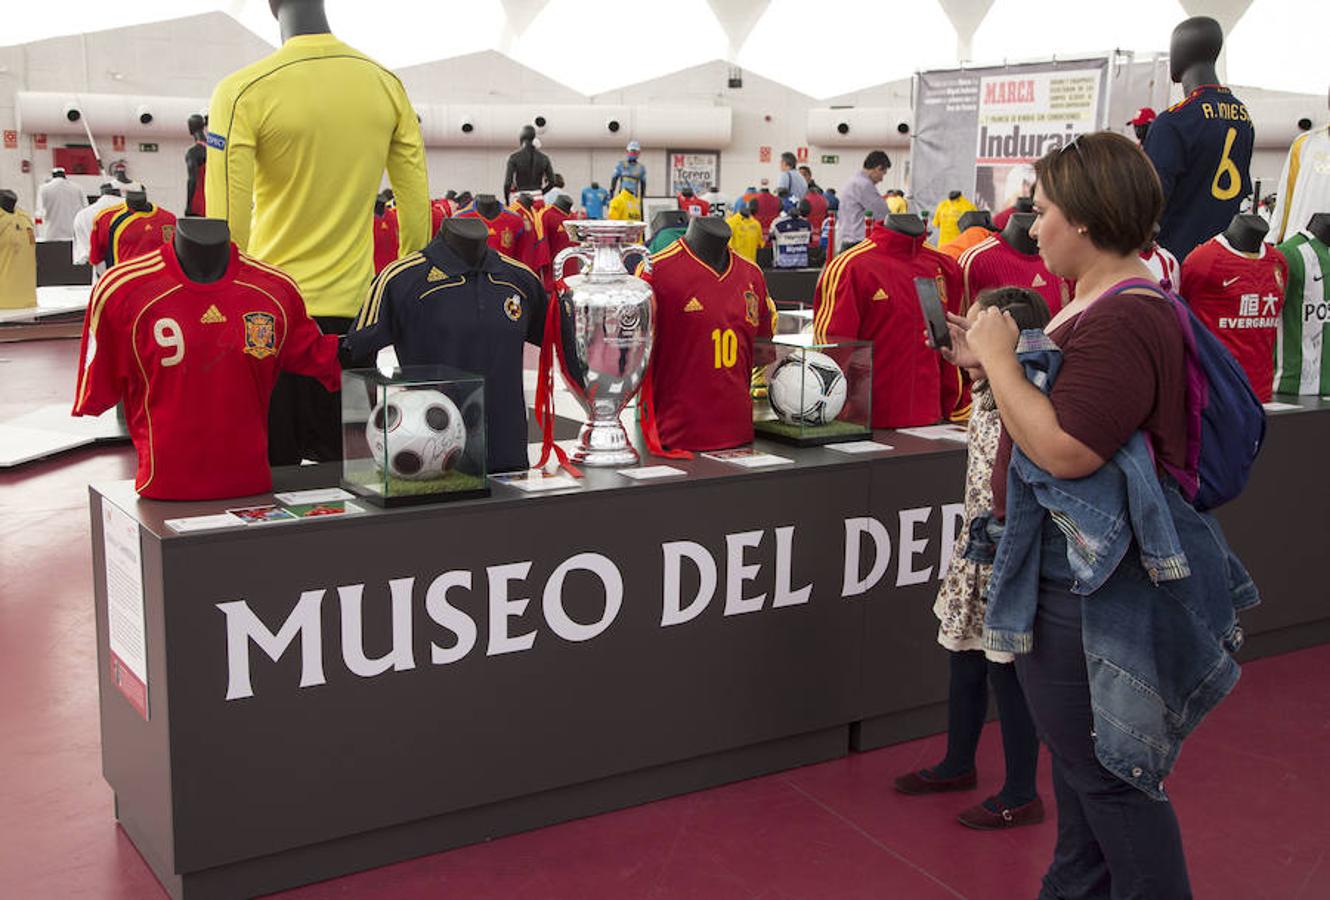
(1017,233)
(528,169)
(1026,204)
(709,239)
(746,212)
(1193,49)
(488,205)
(905,223)
(1319,226)
(110,190)
(467,238)
(380,207)
(954,195)
(137,201)
(300,17)
(8,201)
(976,217)
(203,247)
(1246,232)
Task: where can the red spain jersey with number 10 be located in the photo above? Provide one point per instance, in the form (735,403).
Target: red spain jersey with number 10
(1240,298)
(700,384)
(195,366)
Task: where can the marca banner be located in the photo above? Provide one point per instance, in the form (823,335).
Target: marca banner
(697,169)
(1009,115)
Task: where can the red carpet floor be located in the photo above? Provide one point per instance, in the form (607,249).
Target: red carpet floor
(1252,788)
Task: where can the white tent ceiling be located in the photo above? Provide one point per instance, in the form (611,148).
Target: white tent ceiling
(823,49)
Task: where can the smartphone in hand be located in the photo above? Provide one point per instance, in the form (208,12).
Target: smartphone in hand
(935,315)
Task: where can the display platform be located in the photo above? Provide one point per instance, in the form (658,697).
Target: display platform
(290,701)
(55,265)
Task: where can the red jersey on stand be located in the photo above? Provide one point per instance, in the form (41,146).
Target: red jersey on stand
(817,211)
(120,233)
(768,208)
(697,394)
(694,205)
(439,209)
(195,366)
(993,263)
(385,240)
(1240,297)
(868,293)
(550,220)
(509,234)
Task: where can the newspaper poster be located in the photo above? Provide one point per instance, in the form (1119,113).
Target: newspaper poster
(697,169)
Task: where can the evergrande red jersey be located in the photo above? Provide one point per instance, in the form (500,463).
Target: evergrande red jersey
(439,209)
(1240,297)
(120,233)
(868,293)
(195,366)
(993,263)
(698,391)
(509,234)
(385,240)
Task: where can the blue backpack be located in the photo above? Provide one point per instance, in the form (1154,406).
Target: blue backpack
(1225,419)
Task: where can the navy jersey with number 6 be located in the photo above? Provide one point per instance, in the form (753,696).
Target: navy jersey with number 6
(436,310)
(1201,148)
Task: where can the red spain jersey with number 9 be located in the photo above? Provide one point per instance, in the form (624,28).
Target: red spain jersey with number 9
(195,365)
(701,365)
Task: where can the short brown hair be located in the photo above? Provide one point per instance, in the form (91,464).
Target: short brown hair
(1027,307)
(1106,183)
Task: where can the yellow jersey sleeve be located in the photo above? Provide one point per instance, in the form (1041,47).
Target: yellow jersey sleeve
(229,185)
(409,177)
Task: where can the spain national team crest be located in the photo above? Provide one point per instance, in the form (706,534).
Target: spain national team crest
(260,334)
(751,313)
(168,234)
(507,240)
(512,307)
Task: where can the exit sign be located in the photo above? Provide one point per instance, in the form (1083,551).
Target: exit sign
(830,159)
(147,148)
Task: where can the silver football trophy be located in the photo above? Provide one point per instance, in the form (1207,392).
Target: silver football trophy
(607,340)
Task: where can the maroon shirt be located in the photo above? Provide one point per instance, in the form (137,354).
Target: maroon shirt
(1123,370)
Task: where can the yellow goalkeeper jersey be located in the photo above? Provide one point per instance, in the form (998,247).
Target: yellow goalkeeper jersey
(297,146)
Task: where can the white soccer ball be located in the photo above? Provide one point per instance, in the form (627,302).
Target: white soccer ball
(807,388)
(416,434)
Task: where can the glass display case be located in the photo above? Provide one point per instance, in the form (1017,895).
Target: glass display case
(416,435)
(809,393)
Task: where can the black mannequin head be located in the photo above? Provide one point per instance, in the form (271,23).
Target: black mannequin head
(906,223)
(595,185)
(564,202)
(980,217)
(487,205)
(299,17)
(1017,233)
(8,200)
(450,195)
(380,206)
(750,209)
(196,125)
(464,199)
(1318,225)
(110,189)
(57,172)
(685,191)
(709,238)
(466,238)
(1024,204)
(669,218)
(1192,51)
(203,247)
(137,200)
(954,195)
(803,209)
(1246,232)
(527,136)
(524,200)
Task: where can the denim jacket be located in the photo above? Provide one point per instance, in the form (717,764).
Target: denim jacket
(1157,633)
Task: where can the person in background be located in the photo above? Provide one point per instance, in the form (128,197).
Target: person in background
(833,201)
(807,173)
(789,178)
(860,196)
(1119,662)
(960,612)
(1140,123)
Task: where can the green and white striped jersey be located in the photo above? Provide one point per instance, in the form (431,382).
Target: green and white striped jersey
(1301,364)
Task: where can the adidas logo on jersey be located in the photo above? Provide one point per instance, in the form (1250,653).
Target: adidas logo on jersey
(435,275)
(880,295)
(693,305)
(212,317)
(1038,281)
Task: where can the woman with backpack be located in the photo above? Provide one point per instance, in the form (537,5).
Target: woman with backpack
(1117,596)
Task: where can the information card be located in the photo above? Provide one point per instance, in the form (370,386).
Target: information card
(124,605)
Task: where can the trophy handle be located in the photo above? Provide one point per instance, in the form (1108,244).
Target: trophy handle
(561,260)
(639,249)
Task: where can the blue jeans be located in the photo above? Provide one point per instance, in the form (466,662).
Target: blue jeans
(1114,842)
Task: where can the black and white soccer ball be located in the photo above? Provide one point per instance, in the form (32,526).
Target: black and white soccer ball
(416,434)
(807,388)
